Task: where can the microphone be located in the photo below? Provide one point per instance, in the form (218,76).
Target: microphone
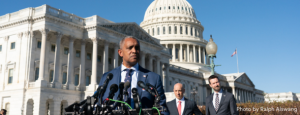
(113,89)
(121,87)
(126,86)
(158,96)
(136,99)
(142,85)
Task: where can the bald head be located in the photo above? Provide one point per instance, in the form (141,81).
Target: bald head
(179,90)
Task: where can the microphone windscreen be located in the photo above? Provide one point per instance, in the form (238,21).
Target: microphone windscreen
(127,84)
(109,76)
(121,85)
(114,87)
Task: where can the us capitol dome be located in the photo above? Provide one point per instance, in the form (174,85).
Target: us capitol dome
(174,22)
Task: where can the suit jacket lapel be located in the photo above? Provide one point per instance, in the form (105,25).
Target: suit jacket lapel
(117,80)
(141,77)
(222,99)
(185,105)
(211,102)
(175,106)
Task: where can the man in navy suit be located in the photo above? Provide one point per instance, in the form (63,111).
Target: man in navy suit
(131,71)
(220,102)
(181,105)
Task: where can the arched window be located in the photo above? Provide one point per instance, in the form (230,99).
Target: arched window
(159,8)
(164,30)
(169,7)
(178,7)
(156,9)
(174,7)
(180,29)
(196,32)
(176,51)
(181,8)
(157,30)
(170,30)
(191,31)
(186,30)
(153,31)
(76,79)
(175,30)
(64,78)
(164,8)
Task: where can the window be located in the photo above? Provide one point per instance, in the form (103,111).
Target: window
(153,31)
(66,51)
(178,7)
(99,58)
(76,79)
(186,30)
(159,8)
(64,78)
(37,70)
(53,48)
(182,8)
(88,56)
(175,30)
(164,8)
(176,51)
(10,76)
(13,45)
(109,60)
(164,30)
(180,29)
(170,29)
(158,31)
(170,82)
(195,32)
(0,48)
(169,7)
(39,44)
(87,80)
(191,30)
(77,53)
(173,7)
(170,50)
(51,76)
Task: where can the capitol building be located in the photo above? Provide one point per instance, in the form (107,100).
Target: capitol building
(50,58)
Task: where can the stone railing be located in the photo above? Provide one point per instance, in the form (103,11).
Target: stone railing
(42,10)
(185,71)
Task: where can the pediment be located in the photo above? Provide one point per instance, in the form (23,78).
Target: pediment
(132,29)
(244,79)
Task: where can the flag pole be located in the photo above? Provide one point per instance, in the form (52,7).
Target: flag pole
(237,61)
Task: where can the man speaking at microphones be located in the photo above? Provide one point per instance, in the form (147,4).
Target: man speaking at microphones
(131,71)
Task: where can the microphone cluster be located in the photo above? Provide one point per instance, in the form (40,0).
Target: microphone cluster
(95,105)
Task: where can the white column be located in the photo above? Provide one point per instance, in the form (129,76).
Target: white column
(199,54)
(19,41)
(188,53)
(150,63)
(116,56)
(70,69)
(158,66)
(82,66)
(93,84)
(173,53)
(105,57)
(180,53)
(41,79)
(194,53)
(56,72)
(203,53)
(143,59)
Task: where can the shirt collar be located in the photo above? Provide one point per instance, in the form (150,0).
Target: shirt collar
(182,99)
(220,92)
(134,68)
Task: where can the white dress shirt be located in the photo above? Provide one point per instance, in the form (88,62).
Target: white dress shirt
(219,95)
(182,104)
(134,76)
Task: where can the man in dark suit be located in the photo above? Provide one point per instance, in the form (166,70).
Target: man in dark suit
(132,72)
(3,112)
(181,105)
(220,102)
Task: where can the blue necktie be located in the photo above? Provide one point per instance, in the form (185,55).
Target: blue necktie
(128,78)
